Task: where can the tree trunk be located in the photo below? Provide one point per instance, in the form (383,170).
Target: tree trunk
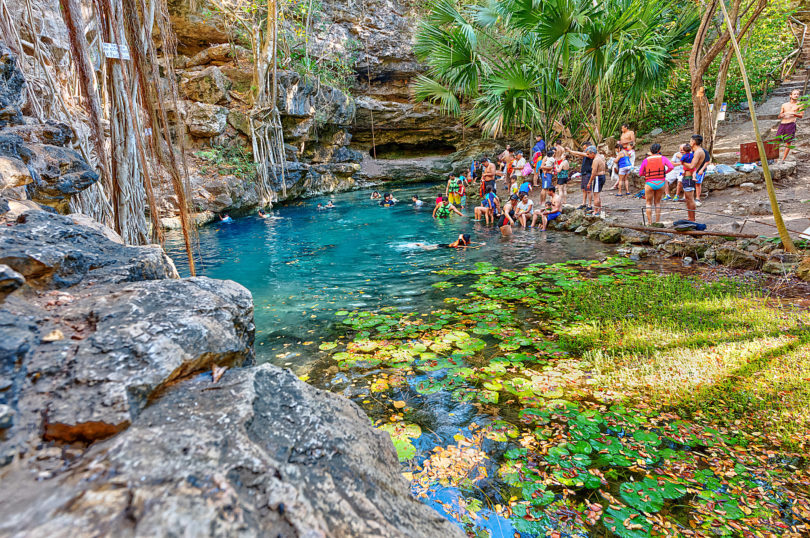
(720,91)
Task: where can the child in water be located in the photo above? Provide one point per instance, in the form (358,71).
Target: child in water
(416,201)
(330,205)
(225,218)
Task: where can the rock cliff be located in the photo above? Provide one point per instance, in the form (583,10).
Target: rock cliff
(112,424)
(36,162)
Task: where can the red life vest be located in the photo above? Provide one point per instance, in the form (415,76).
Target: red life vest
(655,169)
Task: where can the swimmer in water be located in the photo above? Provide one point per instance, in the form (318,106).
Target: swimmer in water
(262,214)
(375,195)
(462,242)
(225,218)
(416,201)
(330,205)
(320,207)
(444,209)
(388,200)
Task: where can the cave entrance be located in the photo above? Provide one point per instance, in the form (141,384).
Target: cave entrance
(412,151)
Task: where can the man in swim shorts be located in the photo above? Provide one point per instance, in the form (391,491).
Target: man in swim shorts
(551,212)
(453,190)
(597,181)
(790,112)
(585,171)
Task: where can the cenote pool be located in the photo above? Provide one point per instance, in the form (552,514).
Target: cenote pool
(493,368)
(302,265)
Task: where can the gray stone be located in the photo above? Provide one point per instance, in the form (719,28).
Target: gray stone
(6,416)
(205,120)
(52,252)
(239,121)
(687,261)
(657,131)
(803,270)
(258,454)
(634,237)
(657,239)
(581,230)
(206,86)
(595,229)
(775,267)
(736,258)
(610,234)
(747,186)
(12,88)
(10,280)
(638,252)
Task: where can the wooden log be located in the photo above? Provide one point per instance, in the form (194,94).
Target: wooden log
(691,232)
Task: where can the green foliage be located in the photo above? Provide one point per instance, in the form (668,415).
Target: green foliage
(571,451)
(528,64)
(228,160)
(764,47)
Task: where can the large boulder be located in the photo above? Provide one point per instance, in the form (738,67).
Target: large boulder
(205,120)
(258,454)
(206,86)
(118,429)
(53,252)
(736,258)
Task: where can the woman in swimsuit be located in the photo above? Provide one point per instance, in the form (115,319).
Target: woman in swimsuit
(654,170)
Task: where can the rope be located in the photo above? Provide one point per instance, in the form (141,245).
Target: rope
(704,213)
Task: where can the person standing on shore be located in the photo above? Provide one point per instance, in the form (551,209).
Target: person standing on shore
(791,111)
(690,169)
(627,136)
(585,174)
(597,181)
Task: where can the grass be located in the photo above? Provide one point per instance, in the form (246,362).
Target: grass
(715,349)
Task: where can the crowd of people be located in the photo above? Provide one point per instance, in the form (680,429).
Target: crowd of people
(506,181)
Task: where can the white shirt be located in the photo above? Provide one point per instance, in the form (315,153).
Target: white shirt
(526,207)
(518,167)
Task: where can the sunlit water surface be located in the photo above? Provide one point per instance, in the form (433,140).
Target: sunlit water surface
(303,264)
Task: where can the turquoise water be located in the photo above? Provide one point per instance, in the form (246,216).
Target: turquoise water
(302,265)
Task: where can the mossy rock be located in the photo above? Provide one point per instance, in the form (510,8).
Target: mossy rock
(610,234)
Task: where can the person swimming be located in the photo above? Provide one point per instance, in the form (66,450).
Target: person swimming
(262,214)
(320,207)
(388,200)
(330,205)
(462,241)
(444,209)
(225,218)
(375,195)
(416,201)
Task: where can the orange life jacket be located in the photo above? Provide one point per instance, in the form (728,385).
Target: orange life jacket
(655,169)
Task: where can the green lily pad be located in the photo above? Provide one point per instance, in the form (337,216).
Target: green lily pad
(326,346)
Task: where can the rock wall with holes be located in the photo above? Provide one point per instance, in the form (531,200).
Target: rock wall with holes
(117,417)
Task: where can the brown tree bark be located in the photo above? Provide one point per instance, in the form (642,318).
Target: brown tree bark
(701,58)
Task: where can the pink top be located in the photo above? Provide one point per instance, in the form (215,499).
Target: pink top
(667,165)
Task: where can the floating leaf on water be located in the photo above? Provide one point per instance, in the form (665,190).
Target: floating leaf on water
(326,346)
(500,430)
(401,435)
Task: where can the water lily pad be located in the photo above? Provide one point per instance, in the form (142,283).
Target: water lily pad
(326,346)
(401,435)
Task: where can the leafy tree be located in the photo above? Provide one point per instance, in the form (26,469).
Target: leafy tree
(538,64)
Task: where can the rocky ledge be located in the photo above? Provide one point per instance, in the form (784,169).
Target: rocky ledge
(111,421)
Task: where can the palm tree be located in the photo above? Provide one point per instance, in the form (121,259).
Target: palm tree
(530,64)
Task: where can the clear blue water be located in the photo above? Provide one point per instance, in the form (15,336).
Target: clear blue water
(302,265)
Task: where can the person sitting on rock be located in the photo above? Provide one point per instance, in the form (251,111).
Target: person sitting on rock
(551,212)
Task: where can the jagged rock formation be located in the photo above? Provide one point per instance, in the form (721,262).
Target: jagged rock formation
(35,162)
(117,430)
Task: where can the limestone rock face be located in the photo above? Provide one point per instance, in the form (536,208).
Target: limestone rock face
(52,252)
(12,89)
(206,86)
(258,454)
(205,120)
(736,258)
(34,162)
(118,429)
